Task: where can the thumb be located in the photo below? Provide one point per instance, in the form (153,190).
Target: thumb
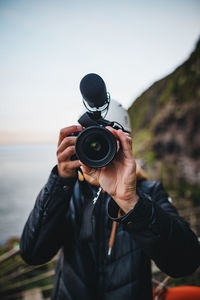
(87,170)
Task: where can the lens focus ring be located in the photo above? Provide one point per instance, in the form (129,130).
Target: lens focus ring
(96,146)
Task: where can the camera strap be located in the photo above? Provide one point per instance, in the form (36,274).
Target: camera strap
(88,220)
(89,119)
(86,120)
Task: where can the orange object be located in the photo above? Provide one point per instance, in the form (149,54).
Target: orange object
(183,293)
(180,293)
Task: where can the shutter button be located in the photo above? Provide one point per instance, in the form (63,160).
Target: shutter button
(130,225)
(66,188)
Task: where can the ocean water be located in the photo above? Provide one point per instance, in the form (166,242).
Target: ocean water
(23,172)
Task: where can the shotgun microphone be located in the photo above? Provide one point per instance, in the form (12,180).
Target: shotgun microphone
(93,90)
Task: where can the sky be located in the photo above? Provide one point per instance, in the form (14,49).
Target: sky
(46,47)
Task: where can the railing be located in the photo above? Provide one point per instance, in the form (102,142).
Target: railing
(19,281)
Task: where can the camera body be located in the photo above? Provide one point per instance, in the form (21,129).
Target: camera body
(95,145)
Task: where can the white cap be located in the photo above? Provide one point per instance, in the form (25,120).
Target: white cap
(117,113)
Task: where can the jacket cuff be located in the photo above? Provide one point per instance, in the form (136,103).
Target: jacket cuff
(136,219)
(62,187)
(56,182)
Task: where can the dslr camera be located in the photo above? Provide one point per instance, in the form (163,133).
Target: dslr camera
(95,145)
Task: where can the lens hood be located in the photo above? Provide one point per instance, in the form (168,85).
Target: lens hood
(96,146)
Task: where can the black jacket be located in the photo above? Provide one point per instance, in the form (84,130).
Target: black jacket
(152,230)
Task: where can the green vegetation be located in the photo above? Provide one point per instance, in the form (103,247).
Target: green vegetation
(167,93)
(142,142)
(190,191)
(165,123)
(150,158)
(16,276)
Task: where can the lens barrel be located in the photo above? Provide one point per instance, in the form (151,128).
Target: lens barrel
(96,146)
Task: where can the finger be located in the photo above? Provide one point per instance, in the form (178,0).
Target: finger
(87,170)
(126,144)
(71,165)
(67,131)
(66,142)
(116,134)
(66,154)
(113,131)
(127,134)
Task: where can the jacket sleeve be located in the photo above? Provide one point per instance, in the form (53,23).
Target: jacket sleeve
(161,233)
(46,226)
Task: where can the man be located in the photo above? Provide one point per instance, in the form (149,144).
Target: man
(109,223)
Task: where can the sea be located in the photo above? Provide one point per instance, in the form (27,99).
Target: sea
(24,169)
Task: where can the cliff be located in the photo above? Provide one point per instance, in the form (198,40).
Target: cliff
(166,129)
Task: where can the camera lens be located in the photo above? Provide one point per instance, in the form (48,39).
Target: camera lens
(96,146)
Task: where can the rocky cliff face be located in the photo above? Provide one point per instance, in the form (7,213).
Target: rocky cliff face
(166,129)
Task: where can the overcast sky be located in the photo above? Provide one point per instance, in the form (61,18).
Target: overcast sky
(48,46)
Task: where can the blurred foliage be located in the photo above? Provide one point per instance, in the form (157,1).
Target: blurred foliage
(165,122)
(17,276)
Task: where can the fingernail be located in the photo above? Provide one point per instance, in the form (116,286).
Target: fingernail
(79,127)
